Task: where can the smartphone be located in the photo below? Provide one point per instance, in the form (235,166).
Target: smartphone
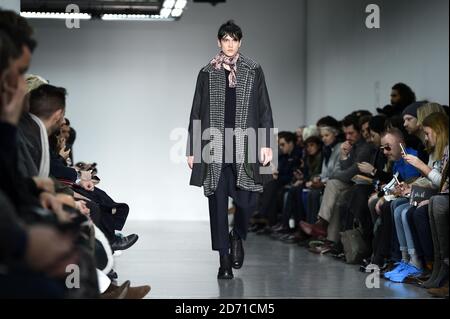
(403,149)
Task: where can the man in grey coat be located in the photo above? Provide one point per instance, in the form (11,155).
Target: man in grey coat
(230,126)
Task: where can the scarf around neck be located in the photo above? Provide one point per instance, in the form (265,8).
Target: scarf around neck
(220,59)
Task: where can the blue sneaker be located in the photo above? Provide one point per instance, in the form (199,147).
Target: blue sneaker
(400,266)
(409,270)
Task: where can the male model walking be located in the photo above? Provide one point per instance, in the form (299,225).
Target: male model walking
(229,142)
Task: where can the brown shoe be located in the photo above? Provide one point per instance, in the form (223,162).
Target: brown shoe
(116,292)
(137,292)
(316,230)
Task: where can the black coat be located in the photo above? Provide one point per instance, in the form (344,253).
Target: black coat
(259,116)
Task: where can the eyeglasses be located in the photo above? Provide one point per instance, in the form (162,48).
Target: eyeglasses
(386,147)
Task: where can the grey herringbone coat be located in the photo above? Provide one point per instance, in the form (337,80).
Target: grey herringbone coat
(253,111)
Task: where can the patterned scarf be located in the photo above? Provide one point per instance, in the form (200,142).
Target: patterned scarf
(220,59)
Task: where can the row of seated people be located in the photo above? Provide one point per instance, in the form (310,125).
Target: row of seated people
(59,232)
(370,189)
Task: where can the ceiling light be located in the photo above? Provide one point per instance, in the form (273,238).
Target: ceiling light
(54,15)
(177,12)
(180,4)
(168,4)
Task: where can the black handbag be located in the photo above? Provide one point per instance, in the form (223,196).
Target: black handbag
(420,193)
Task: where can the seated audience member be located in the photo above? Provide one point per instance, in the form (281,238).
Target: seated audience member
(353,151)
(293,206)
(401,96)
(364,124)
(435,127)
(438,209)
(288,162)
(47,103)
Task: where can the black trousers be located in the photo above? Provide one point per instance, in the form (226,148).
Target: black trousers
(245,202)
(272,201)
(359,209)
(419,223)
(293,207)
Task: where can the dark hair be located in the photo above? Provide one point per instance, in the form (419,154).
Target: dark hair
(396,132)
(313,139)
(72,136)
(287,136)
(231,29)
(377,124)
(67,122)
(446,109)
(53,142)
(364,119)
(395,121)
(46,100)
(361,113)
(407,95)
(350,120)
(7,51)
(18,29)
(328,121)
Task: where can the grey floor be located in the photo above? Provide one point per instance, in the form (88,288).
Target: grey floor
(175,258)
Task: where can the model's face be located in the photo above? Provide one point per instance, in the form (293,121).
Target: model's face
(229,46)
(410,124)
(351,134)
(327,136)
(391,147)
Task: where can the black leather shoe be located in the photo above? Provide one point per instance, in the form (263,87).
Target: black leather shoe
(225,270)
(112,275)
(123,243)
(237,251)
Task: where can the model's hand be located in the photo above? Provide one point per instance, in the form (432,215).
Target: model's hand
(266,155)
(190,161)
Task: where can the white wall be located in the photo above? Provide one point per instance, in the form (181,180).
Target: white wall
(346,62)
(131,83)
(10,5)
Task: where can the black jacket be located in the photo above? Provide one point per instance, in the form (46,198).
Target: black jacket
(361,152)
(259,116)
